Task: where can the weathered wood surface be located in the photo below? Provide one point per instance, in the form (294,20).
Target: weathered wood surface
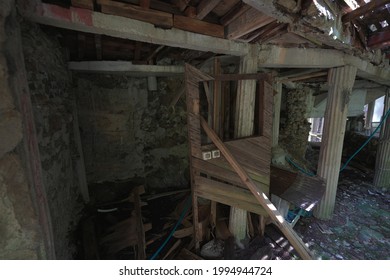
(301,190)
(227,194)
(274,214)
(198,26)
(157,18)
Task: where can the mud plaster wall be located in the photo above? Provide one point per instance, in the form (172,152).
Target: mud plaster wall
(295,129)
(129,132)
(20,235)
(52,99)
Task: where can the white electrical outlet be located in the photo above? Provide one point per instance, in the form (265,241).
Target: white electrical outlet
(206,155)
(216,153)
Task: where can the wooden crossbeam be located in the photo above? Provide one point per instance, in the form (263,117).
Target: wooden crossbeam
(277,218)
(371,6)
(379,39)
(157,18)
(198,26)
(246,23)
(234,13)
(205,7)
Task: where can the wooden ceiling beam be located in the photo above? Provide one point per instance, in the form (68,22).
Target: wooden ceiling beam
(379,40)
(157,18)
(246,23)
(144,4)
(234,13)
(198,26)
(182,4)
(373,5)
(205,7)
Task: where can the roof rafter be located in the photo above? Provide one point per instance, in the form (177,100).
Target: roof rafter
(364,9)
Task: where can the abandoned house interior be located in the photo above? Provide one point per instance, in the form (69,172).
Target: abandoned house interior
(194,129)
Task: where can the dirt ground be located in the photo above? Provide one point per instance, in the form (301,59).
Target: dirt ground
(360,226)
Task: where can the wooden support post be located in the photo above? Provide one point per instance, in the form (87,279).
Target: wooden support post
(276,114)
(340,82)
(262,198)
(382,165)
(244,123)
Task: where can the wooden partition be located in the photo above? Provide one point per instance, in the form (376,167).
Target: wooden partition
(234,172)
(212,176)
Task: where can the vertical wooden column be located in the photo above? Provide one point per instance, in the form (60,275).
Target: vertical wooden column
(382,165)
(276,113)
(340,82)
(244,123)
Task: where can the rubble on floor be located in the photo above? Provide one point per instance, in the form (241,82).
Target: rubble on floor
(360,226)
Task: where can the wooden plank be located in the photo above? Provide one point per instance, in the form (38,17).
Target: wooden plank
(287,230)
(173,248)
(157,18)
(192,78)
(371,6)
(144,4)
(181,233)
(86,4)
(221,169)
(198,26)
(249,21)
(236,77)
(182,4)
(227,194)
(235,12)
(205,7)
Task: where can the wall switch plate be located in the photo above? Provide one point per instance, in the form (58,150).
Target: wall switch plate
(206,155)
(216,153)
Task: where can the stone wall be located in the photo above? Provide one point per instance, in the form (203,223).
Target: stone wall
(295,130)
(20,234)
(52,99)
(129,132)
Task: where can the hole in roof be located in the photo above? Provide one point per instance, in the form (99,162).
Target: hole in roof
(373,28)
(384,23)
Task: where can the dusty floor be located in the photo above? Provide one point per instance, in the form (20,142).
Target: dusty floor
(360,227)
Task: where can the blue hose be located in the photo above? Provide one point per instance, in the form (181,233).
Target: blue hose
(351,157)
(368,140)
(308,173)
(186,208)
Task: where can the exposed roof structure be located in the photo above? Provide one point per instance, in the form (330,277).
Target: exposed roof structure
(354,26)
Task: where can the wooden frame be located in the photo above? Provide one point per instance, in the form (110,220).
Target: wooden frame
(240,176)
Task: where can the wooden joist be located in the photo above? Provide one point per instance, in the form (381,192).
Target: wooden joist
(205,7)
(369,7)
(225,173)
(160,19)
(249,21)
(198,26)
(277,218)
(86,4)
